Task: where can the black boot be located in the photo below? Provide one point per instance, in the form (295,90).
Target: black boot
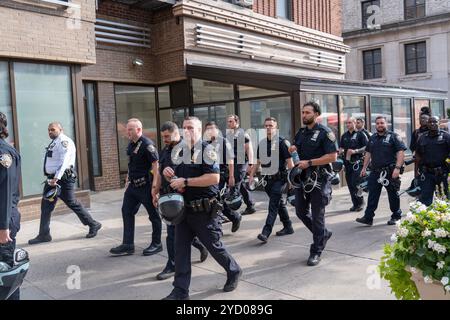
(152,249)
(93,229)
(285,231)
(40,239)
(123,249)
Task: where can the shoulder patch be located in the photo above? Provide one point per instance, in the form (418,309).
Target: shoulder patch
(287,143)
(6,160)
(65,144)
(399,139)
(151,148)
(212,154)
(331,136)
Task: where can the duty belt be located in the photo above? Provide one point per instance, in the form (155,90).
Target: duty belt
(67,174)
(278,176)
(201,205)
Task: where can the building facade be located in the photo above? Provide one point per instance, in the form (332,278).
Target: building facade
(402,42)
(98,63)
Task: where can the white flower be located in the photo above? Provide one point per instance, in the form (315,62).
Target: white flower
(427,279)
(431,243)
(440,265)
(446,218)
(426,233)
(447,288)
(410,217)
(444,281)
(440,233)
(413,270)
(394,238)
(402,232)
(421,208)
(439,248)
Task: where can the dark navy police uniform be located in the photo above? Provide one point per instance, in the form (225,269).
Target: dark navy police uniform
(199,221)
(415,137)
(240,138)
(312,144)
(9,199)
(433,151)
(224,152)
(353,140)
(383,150)
(141,156)
(275,180)
(165,160)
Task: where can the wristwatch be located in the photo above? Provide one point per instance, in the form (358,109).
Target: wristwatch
(310,163)
(186,182)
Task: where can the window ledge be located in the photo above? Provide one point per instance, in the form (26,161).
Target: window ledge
(378,80)
(58,3)
(416,76)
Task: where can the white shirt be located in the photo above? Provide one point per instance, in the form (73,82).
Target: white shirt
(61,155)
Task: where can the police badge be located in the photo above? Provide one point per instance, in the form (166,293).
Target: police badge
(6,160)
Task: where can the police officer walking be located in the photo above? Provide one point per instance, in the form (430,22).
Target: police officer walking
(352,147)
(360,126)
(198,177)
(273,156)
(170,136)
(416,134)
(316,147)
(9,199)
(433,148)
(243,159)
(385,152)
(225,155)
(59,166)
(140,189)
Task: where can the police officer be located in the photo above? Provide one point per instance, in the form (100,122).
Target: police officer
(198,177)
(9,198)
(170,136)
(385,151)
(360,126)
(272,156)
(225,154)
(140,189)
(59,166)
(243,160)
(416,134)
(352,147)
(433,148)
(316,147)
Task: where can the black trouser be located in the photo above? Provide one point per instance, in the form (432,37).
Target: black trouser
(132,200)
(227,212)
(374,196)
(317,199)
(170,243)
(68,197)
(240,170)
(352,178)
(208,229)
(428,186)
(277,205)
(7,249)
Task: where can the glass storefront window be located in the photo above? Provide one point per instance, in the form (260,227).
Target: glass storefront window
(402,119)
(43,95)
(253,113)
(351,106)
(92,122)
(175,115)
(164,97)
(380,107)
(205,91)
(134,102)
(5,99)
(419,104)
(217,113)
(251,92)
(437,108)
(329,108)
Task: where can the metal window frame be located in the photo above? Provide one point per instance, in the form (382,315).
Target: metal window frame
(364,14)
(416,59)
(414,9)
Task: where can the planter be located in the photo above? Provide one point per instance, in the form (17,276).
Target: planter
(429,291)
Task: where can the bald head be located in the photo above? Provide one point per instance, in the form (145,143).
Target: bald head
(134,129)
(351,124)
(54,130)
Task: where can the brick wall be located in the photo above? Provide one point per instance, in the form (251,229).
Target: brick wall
(108,138)
(322,15)
(32,31)
(30,209)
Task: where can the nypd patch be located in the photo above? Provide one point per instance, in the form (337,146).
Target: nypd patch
(151,148)
(6,160)
(65,144)
(331,136)
(212,154)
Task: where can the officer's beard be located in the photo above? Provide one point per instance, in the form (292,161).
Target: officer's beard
(308,121)
(381,131)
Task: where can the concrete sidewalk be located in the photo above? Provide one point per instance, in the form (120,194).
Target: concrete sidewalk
(276,270)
